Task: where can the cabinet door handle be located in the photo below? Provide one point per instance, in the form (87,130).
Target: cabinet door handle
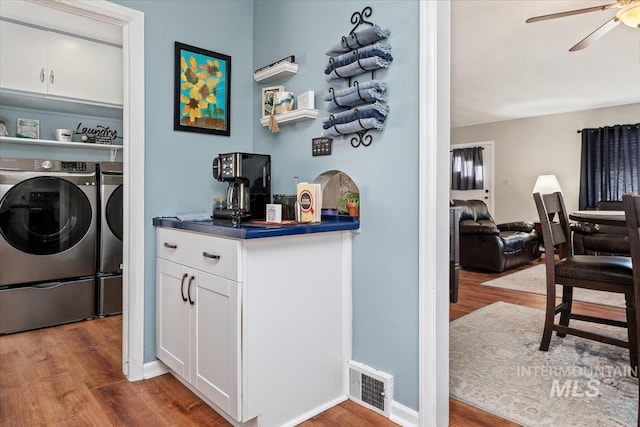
(170,245)
(208,255)
(192,302)
(182,287)
(42,76)
(51,77)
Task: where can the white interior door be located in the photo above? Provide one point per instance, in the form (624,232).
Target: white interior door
(486,193)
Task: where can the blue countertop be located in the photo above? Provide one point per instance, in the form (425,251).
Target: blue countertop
(224,228)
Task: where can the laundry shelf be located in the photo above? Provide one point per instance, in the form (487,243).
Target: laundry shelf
(14,140)
(278,71)
(291,116)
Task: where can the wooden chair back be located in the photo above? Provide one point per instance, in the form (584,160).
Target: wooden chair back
(631,204)
(554,223)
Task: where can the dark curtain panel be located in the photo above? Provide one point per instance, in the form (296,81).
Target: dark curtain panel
(610,163)
(467,172)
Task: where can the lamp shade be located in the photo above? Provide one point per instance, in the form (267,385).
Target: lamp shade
(546,184)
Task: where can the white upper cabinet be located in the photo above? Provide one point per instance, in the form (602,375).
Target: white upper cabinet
(49,63)
(23,58)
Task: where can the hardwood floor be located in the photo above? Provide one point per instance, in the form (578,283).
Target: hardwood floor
(70,375)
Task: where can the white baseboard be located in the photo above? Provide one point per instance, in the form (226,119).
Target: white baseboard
(400,414)
(404,415)
(315,411)
(154,369)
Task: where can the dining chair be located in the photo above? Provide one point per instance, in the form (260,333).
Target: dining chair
(631,203)
(599,273)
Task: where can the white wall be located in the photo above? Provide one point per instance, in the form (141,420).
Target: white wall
(526,148)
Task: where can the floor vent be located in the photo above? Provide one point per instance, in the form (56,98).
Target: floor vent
(370,388)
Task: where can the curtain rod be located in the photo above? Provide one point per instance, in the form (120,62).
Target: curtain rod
(451,151)
(630,126)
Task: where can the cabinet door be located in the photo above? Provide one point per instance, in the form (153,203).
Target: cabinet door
(172,316)
(23,58)
(84,69)
(216,370)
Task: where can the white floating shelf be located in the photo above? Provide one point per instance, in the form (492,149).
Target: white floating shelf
(291,116)
(278,71)
(14,140)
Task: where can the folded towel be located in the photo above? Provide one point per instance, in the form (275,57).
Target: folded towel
(363,93)
(377,49)
(359,39)
(376,110)
(357,67)
(353,127)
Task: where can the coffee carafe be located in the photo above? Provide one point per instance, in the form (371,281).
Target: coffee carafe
(238,196)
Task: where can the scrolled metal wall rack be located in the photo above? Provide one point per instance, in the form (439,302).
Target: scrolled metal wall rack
(362,137)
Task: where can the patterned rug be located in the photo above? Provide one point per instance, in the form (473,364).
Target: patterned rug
(495,365)
(534,280)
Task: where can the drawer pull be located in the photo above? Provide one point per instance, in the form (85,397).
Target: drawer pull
(182,287)
(208,255)
(192,302)
(170,245)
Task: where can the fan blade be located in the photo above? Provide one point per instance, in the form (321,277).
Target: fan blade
(604,29)
(572,12)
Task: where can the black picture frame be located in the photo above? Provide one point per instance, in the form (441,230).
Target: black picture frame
(202,91)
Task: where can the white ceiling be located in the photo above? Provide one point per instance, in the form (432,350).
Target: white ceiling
(503,69)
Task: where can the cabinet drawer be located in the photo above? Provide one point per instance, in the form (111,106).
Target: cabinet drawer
(211,254)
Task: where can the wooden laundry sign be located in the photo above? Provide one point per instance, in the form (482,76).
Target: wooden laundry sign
(98,134)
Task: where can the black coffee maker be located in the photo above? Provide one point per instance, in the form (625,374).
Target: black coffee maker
(249,179)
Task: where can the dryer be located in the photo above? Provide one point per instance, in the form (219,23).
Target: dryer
(109,277)
(48,227)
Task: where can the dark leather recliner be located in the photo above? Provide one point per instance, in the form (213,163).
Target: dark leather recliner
(490,247)
(598,239)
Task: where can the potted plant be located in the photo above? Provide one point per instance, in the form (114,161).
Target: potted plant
(349,203)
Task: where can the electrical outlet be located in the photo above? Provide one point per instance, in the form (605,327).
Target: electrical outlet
(321,146)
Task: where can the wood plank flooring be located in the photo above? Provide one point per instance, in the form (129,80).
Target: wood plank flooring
(70,375)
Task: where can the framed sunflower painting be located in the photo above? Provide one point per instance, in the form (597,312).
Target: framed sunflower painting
(202,91)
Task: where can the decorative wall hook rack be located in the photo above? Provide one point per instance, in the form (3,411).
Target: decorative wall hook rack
(347,67)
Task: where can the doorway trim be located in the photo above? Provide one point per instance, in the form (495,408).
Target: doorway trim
(433,200)
(132,23)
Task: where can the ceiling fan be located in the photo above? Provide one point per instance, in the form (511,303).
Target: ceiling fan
(628,14)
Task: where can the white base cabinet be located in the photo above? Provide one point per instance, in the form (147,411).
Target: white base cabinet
(265,332)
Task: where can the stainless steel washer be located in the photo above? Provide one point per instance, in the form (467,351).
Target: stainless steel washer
(48,227)
(110,241)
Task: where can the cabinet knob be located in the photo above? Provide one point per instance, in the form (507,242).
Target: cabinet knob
(42,76)
(170,245)
(51,77)
(208,255)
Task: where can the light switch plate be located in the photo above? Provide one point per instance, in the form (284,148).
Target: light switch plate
(321,146)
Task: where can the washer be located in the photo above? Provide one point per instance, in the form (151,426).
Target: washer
(48,227)
(110,240)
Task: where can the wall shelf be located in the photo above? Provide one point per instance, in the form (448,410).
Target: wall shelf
(278,71)
(35,101)
(50,142)
(291,116)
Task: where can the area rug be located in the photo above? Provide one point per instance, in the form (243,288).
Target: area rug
(534,280)
(495,365)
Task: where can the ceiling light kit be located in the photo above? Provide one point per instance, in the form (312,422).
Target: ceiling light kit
(628,14)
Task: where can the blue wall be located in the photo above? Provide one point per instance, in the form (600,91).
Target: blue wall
(178,164)
(385,253)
